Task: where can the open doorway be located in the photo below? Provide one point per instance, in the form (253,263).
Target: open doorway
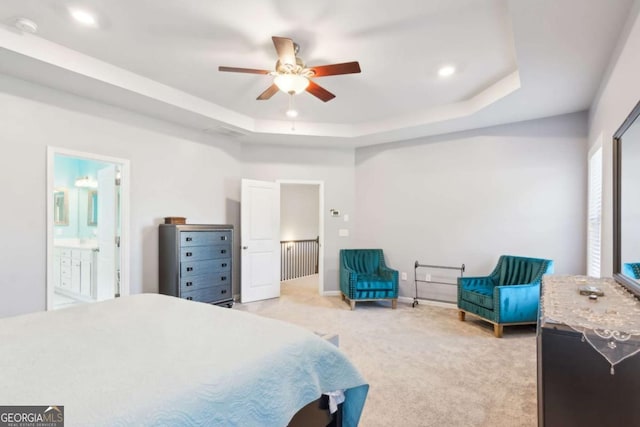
(302,233)
(87,228)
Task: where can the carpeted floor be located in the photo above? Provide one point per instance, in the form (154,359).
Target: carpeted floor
(424,366)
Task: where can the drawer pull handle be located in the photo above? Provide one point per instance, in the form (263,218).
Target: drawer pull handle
(190,298)
(189,239)
(223,251)
(223,237)
(224,291)
(189,268)
(189,283)
(189,254)
(224,264)
(223,278)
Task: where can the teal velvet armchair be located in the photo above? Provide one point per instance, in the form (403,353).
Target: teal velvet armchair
(510,295)
(365,277)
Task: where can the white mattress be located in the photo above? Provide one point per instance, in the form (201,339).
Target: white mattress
(157,360)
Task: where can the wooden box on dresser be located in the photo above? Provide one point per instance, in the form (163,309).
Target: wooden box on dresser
(196,262)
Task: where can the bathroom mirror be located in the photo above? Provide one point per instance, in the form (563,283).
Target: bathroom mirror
(626,202)
(92,208)
(61,206)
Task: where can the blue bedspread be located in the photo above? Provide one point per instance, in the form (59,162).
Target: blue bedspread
(151,360)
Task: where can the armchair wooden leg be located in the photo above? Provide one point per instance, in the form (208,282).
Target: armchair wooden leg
(352,303)
(343,297)
(497,330)
(394,303)
(461,315)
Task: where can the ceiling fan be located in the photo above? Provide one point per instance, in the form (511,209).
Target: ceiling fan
(292,76)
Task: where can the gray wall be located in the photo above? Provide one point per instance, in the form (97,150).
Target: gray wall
(619,93)
(333,167)
(430,200)
(299,211)
(174,172)
(469,197)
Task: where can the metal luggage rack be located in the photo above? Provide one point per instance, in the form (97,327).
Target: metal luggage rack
(441,267)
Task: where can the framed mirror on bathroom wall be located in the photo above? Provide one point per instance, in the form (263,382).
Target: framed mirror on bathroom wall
(92,207)
(61,206)
(626,203)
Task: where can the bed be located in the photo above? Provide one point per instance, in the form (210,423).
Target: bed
(151,359)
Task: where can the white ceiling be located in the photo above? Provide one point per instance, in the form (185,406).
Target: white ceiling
(516,60)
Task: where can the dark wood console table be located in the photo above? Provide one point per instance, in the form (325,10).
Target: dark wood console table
(577,384)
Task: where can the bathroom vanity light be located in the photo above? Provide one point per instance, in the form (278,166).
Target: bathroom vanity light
(86,182)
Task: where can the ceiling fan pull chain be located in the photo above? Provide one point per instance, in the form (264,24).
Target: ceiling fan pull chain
(291,112)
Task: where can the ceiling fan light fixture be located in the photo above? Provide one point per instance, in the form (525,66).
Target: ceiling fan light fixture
(291,83)
(292,113)
(292,77)
(86,182)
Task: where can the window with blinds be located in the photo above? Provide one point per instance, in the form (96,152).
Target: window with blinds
(594,214)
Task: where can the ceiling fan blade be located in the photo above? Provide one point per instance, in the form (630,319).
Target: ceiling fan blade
(285,49)
(271,90)
(335,69)
(319,92)
(243,70)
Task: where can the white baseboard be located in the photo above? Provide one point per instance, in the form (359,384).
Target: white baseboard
(409,300)
(236,297)
(331,293)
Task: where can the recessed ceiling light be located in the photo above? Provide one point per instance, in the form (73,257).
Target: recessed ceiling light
(83,17)
(26,25)
(446,71)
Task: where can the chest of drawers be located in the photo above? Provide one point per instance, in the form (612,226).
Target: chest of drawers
(576,386)
(195,262)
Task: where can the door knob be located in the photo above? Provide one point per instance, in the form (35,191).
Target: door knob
(245,247)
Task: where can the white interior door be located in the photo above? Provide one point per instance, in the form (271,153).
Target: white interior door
(260,240)
(106,273)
